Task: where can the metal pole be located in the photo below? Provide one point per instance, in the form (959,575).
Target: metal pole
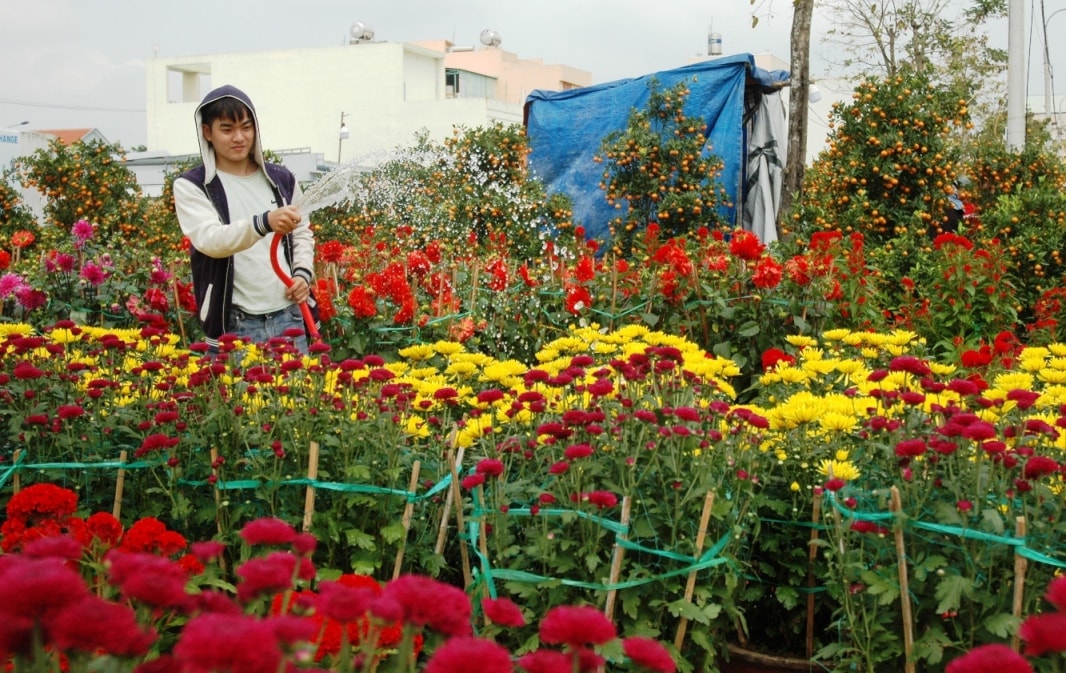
(1016,75)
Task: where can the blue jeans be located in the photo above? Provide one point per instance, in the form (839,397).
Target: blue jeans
(261,328)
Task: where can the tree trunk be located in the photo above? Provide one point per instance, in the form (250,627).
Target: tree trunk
(799,82)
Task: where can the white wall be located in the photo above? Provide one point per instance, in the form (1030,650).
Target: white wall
(388,92)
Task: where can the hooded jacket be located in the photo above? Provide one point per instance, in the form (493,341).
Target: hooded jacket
(203,213)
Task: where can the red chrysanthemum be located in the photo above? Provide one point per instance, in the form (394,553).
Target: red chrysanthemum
(746,246)
(649,654)
(466,653)
(576,626)
(503,612)
(994,658)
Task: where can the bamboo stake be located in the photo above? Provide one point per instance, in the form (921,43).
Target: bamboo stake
(1021,565)
(690,586)
(16,482)
(177,309)
(309,495)
(904,585)
(218,503)
(812,553)
(408,512)
(483,543)
(442,533)
(616,563)
(457,500)
(120,485)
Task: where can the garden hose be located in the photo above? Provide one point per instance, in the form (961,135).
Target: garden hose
(309,319)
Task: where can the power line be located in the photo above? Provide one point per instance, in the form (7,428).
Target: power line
(26,103)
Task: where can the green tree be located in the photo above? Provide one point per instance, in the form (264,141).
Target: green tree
(14,215)
(659,166)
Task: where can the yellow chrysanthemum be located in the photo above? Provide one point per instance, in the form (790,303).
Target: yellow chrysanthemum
(812,353)
(854,339)
(801,340)
(1057,349)
(1034,352)
(836,334)
(448,348)
(1013,380)
(941,369)
(837,422)
(461,369)
(417,352)
(504,372)
(839,469)
(869,353)
(416,426)
(21,329)
(790,374)
(1057,363)
(1052,375)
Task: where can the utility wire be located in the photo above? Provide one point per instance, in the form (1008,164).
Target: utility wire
(26,103)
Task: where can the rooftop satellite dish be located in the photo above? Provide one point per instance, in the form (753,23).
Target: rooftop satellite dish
(360,32)
(490,38)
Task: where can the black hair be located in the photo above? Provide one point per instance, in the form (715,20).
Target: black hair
(228,108)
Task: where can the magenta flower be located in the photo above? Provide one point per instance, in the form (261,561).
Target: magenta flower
(207,644)
(427,602)
(9,284)
(268,531)
(503,612)
(490,467)
(93,624)
(546,661)
(995,658)
(650,654)
(576,626)
(150,579)
(93,274)
(1044,633)
(82,231)
(467,653)
(1056,592)
(343,603)
(271,574)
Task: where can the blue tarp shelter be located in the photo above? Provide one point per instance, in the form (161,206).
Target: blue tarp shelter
(739,103)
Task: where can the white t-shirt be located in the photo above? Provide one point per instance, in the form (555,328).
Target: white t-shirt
(256,288)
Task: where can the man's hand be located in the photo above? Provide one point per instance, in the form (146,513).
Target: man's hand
(284,219)
(299,291)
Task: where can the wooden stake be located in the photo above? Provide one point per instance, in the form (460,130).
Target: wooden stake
(690,587)
(1021,565)
(457,500)
(408,512)
(218,495)
(904,585)
(120,484)
(443,532)
(309,495)
(812,553)
(616,563)
(16,483)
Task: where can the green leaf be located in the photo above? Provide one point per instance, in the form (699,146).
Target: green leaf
(749,329)
(1002,624)
(949,592)
(683,608)
(357,538)
(394,533)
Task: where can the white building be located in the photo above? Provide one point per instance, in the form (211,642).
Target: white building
(351,102)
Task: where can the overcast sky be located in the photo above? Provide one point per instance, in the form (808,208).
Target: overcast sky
(80,63)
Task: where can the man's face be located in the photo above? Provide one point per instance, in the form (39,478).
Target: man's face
(233,140)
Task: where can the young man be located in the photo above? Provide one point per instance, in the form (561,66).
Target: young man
(230,208)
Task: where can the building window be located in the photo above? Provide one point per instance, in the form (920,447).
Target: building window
(188,83)
(463,84)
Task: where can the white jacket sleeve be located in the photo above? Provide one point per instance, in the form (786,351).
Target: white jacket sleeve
(201,223)
(303,244)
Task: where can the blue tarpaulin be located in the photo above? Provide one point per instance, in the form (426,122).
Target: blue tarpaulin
(566,130)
